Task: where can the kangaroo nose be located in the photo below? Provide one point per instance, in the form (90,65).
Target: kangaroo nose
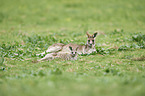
(91,42)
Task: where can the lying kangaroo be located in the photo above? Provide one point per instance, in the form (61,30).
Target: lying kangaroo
(82,49)
(72,55)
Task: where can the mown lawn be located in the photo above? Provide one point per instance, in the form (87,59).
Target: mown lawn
(28,27)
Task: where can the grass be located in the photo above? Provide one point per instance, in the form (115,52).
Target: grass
(28,27)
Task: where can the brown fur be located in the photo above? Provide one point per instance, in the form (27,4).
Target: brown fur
(71,55)
(81,49)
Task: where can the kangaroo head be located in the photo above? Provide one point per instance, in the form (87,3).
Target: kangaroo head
(73,51)
(91,39)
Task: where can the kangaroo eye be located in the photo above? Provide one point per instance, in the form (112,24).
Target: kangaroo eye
(75,52)
(88,40)
(92,40)
(72,52)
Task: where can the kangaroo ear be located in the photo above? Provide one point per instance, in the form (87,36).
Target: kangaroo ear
(95,34)
(70,48)
(88,34)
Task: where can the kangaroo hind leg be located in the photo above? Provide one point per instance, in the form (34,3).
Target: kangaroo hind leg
(47,57)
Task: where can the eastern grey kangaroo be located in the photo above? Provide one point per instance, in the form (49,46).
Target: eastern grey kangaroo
(82,49)
(72,55)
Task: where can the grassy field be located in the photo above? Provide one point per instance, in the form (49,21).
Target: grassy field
(28,27)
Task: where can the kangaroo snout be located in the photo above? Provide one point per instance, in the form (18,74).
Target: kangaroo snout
(74,54)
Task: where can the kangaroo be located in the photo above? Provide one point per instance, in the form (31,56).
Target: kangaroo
(72,55)
(82,49)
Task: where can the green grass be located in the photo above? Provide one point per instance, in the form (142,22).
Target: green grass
(28,27)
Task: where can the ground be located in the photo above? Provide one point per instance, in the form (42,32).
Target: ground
(28,27)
